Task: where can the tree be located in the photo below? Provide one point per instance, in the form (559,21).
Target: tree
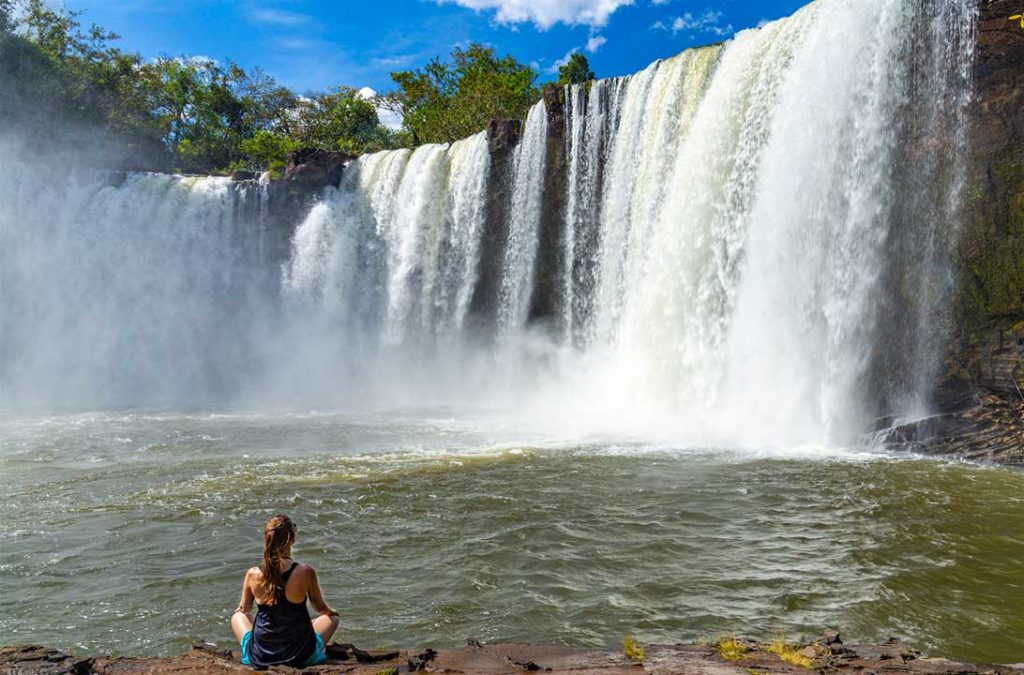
(266,105)
(268,150)
(199,116)
(576,70)
(443,102)
(339,120)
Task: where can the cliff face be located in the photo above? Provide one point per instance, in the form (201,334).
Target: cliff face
(991,255)
(980,398)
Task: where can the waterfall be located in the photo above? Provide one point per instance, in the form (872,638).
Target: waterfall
(146,291)
(521,250)
(748,243)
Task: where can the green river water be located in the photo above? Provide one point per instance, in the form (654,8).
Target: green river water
(130,532)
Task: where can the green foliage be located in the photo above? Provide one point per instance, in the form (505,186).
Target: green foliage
(445,101)
(576,70)
(198,115)
(55,78)
(632,649)
(268,149)
(340,120)
(188,114)
(196,111)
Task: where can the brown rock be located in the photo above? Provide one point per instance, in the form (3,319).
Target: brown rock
(502,136)
(316,168)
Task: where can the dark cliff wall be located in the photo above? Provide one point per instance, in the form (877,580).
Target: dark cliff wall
(988,307)
(549,274)
(991,253)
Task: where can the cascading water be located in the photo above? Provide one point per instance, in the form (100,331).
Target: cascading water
(148,291)
(752,248)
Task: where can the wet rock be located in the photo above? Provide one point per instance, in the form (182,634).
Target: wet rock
(550,263)
(244,175)
(503,136)
(316,168)
(988,431)
(829,637)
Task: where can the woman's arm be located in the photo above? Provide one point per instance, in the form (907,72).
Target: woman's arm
(317,597)
(245,604)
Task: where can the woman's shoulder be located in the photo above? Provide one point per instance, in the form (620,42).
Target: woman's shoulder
(304,569)
(254,573)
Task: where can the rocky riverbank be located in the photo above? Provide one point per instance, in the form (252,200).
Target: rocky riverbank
(827,654)
(989,430)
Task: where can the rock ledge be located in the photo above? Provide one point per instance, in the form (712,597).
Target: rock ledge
(828,655)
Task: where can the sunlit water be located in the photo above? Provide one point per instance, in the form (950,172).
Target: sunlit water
(130,532)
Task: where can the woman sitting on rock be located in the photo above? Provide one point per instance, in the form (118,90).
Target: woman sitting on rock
(282,633)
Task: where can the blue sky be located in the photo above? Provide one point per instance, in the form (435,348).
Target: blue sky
(312,45)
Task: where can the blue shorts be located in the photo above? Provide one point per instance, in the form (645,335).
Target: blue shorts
(319,655)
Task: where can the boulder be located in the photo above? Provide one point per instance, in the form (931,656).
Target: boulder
(315,168)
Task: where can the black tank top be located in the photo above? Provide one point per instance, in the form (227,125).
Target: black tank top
(283,632)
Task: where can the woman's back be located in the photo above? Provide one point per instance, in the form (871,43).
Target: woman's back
(282,632)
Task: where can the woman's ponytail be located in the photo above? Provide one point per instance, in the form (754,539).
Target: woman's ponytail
(277,535)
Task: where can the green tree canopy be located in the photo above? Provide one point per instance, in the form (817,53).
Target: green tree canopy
(339,120)
(576,70)
(446,101)
(200,115)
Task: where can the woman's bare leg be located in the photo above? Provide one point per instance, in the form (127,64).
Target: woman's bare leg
(325,625)
(240,624)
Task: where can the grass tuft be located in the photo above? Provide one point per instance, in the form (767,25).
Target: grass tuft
(789,653)
(632,649)
(731,649)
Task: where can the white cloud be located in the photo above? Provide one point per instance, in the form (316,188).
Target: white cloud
(279,17)
(553,68)
(545,13)
(708,22)
(595,42)
(392,119)
(659,2)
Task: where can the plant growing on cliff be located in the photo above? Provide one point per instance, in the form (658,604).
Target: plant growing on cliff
(633,650)
(1018,17)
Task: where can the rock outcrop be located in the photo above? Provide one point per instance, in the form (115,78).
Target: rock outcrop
(551,253)
(315,168)
(826,655)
